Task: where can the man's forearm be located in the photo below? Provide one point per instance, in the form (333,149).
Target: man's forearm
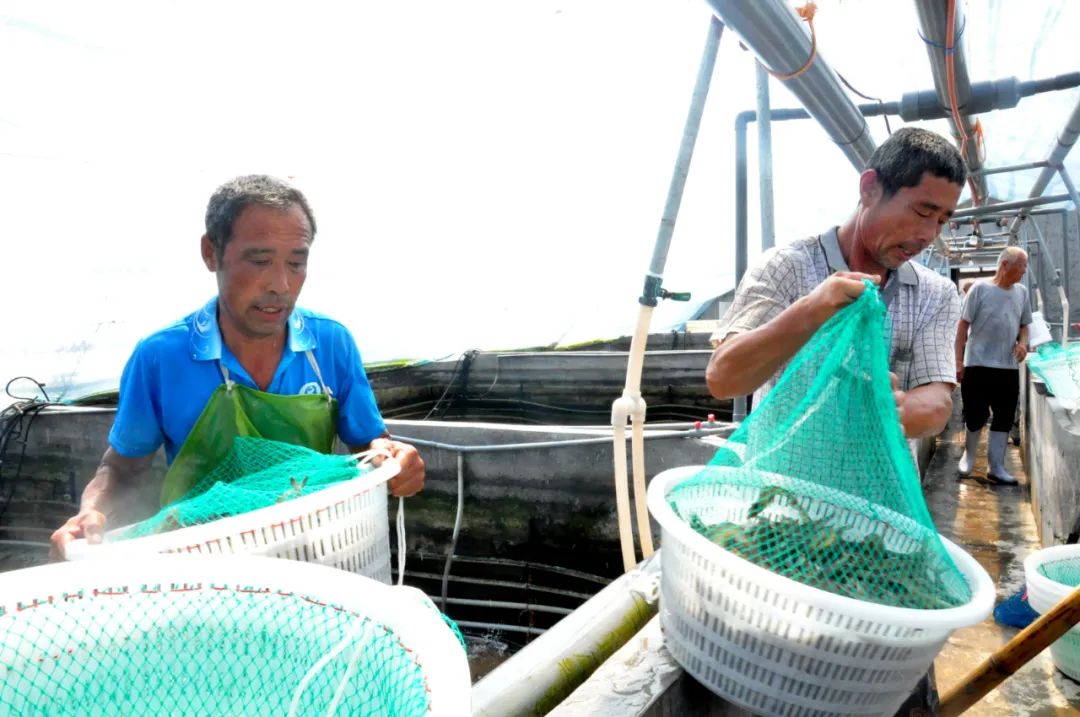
(961,342)
(113,482)
(741,363)
(926,410)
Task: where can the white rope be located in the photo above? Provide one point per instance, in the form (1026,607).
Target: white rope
(364,458)
(400,541)
(323,661)
(340,691)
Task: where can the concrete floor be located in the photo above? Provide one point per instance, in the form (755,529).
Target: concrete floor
(995,524)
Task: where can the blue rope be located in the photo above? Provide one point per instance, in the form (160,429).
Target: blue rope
(956,39)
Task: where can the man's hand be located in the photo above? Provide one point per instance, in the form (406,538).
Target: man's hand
(923,410)
(410,480)
(899,396)
(837,291)
(1019,352)
(959,371)
(89,524)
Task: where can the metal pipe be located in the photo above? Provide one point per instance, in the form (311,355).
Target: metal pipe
(779,40)
(1056,274)
(504,605)
(500,627)
(686,148)
(531,587)
(933,19)
(765,164)
(500,447)
(1071,188)
(741,201)
(1058,152)
(992,216)
(1065,249)
(535,680)
(1008,206)
(1010,168)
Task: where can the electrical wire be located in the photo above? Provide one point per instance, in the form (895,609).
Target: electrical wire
(25,408)
(884,115)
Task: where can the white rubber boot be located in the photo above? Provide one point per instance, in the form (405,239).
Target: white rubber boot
(971,446)
(995,455)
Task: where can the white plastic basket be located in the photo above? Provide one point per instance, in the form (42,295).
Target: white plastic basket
(344,526)
(237,635)
(1044,593)
(778,647)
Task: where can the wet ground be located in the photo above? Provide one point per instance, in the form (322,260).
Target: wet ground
(996,525)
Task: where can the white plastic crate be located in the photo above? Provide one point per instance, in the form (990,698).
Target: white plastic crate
(344,526)
(778,647)
(236,635)
(1044,593)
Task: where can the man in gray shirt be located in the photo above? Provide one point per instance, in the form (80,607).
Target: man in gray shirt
(991,341)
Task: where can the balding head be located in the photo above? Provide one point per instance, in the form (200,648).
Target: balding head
(1012,256)
(1012,263)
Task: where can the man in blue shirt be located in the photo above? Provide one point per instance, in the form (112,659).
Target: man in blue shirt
(249,362)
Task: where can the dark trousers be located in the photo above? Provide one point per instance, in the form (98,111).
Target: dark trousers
(923,701)
(990,389)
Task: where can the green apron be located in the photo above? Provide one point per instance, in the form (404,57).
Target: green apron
(233,410)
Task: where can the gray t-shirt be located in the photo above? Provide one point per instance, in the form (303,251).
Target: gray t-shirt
(995,315)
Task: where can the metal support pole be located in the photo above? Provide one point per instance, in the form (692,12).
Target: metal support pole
(1055,281)
(1058,152)
(686,148)
(765,168)
(1009,206)
(1010,168)
(1071,188)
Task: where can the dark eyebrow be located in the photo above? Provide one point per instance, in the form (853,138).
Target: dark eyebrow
(934,208)
(301,252)
(255,251)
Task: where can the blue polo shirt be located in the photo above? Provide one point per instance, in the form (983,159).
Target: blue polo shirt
(172,373)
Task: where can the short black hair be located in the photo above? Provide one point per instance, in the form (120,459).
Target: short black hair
(902,159)
(230,199)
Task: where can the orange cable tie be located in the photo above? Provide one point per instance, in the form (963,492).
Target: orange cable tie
(806,12)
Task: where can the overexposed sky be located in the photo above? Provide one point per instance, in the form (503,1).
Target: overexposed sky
(485,174)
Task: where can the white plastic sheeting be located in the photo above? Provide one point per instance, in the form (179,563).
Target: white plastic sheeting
(485,174)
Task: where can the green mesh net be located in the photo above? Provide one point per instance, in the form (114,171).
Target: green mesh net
(1059,369)
(818,484)
(247,646)
(1066,572)
(255,474)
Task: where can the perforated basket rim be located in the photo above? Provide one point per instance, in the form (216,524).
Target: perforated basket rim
(267,517)
(430,641)
(1040,585)
(973,612)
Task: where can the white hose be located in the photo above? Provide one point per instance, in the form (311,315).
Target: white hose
(630,404)
(622,497)
(637,453)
